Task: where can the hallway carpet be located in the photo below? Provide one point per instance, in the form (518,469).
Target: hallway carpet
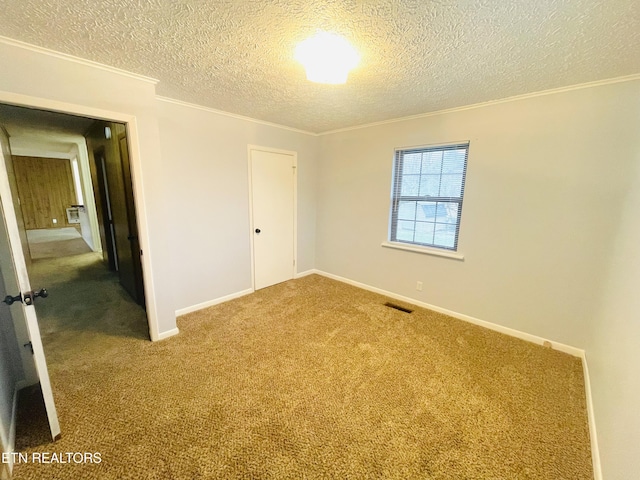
(312,379)
(56,242)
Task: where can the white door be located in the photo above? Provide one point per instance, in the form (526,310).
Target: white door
(273,180)
(14,272)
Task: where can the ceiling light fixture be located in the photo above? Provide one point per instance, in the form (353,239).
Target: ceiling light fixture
(327,58)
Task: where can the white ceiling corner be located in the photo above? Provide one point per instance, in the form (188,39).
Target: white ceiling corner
(418,56)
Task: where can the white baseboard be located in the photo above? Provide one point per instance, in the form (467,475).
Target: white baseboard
(576,352)
(305,273)
(595,451)
(216,301)
(167,334)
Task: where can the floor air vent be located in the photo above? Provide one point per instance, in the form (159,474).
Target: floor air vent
(398,307)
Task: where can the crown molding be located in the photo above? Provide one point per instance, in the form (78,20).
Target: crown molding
(552,91)
(232,115)
(118,71)
(71,58)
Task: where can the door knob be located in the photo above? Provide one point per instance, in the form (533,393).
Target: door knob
(257,230)
(41,293)
(9,300)
(27,298)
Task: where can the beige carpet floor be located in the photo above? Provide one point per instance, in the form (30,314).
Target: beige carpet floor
(58,248)
(56,242)
(310,379)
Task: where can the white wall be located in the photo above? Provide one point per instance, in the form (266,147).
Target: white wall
(613,351)
(209,211)
(89,225)
(538,216)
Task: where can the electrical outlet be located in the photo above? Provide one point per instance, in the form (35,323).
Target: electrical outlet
(419,286)
(55,220)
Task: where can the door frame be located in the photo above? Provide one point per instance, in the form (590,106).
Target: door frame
(251,148)
(136,176)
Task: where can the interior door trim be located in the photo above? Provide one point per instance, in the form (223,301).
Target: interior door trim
(137,181)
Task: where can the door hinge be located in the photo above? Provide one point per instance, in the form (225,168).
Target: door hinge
(30,345)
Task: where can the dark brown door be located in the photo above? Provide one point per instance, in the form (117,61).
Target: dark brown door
(104,208)
(133,256)
(113,180)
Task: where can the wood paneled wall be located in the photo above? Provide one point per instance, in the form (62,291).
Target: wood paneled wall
(46,190)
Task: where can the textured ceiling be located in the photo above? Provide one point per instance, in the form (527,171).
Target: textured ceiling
(417,55)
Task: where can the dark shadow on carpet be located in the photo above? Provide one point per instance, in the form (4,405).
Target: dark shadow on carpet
(32,427)
(84,297)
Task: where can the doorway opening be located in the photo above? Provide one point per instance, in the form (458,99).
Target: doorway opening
(75,190)
(71,181)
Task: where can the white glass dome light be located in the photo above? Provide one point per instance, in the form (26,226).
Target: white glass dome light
(327,58)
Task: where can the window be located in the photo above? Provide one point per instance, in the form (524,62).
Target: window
(426,203)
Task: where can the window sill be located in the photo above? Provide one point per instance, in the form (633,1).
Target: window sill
(424,250)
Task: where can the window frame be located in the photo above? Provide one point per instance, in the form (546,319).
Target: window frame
(397,197)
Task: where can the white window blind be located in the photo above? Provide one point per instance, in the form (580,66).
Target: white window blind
(426,203)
